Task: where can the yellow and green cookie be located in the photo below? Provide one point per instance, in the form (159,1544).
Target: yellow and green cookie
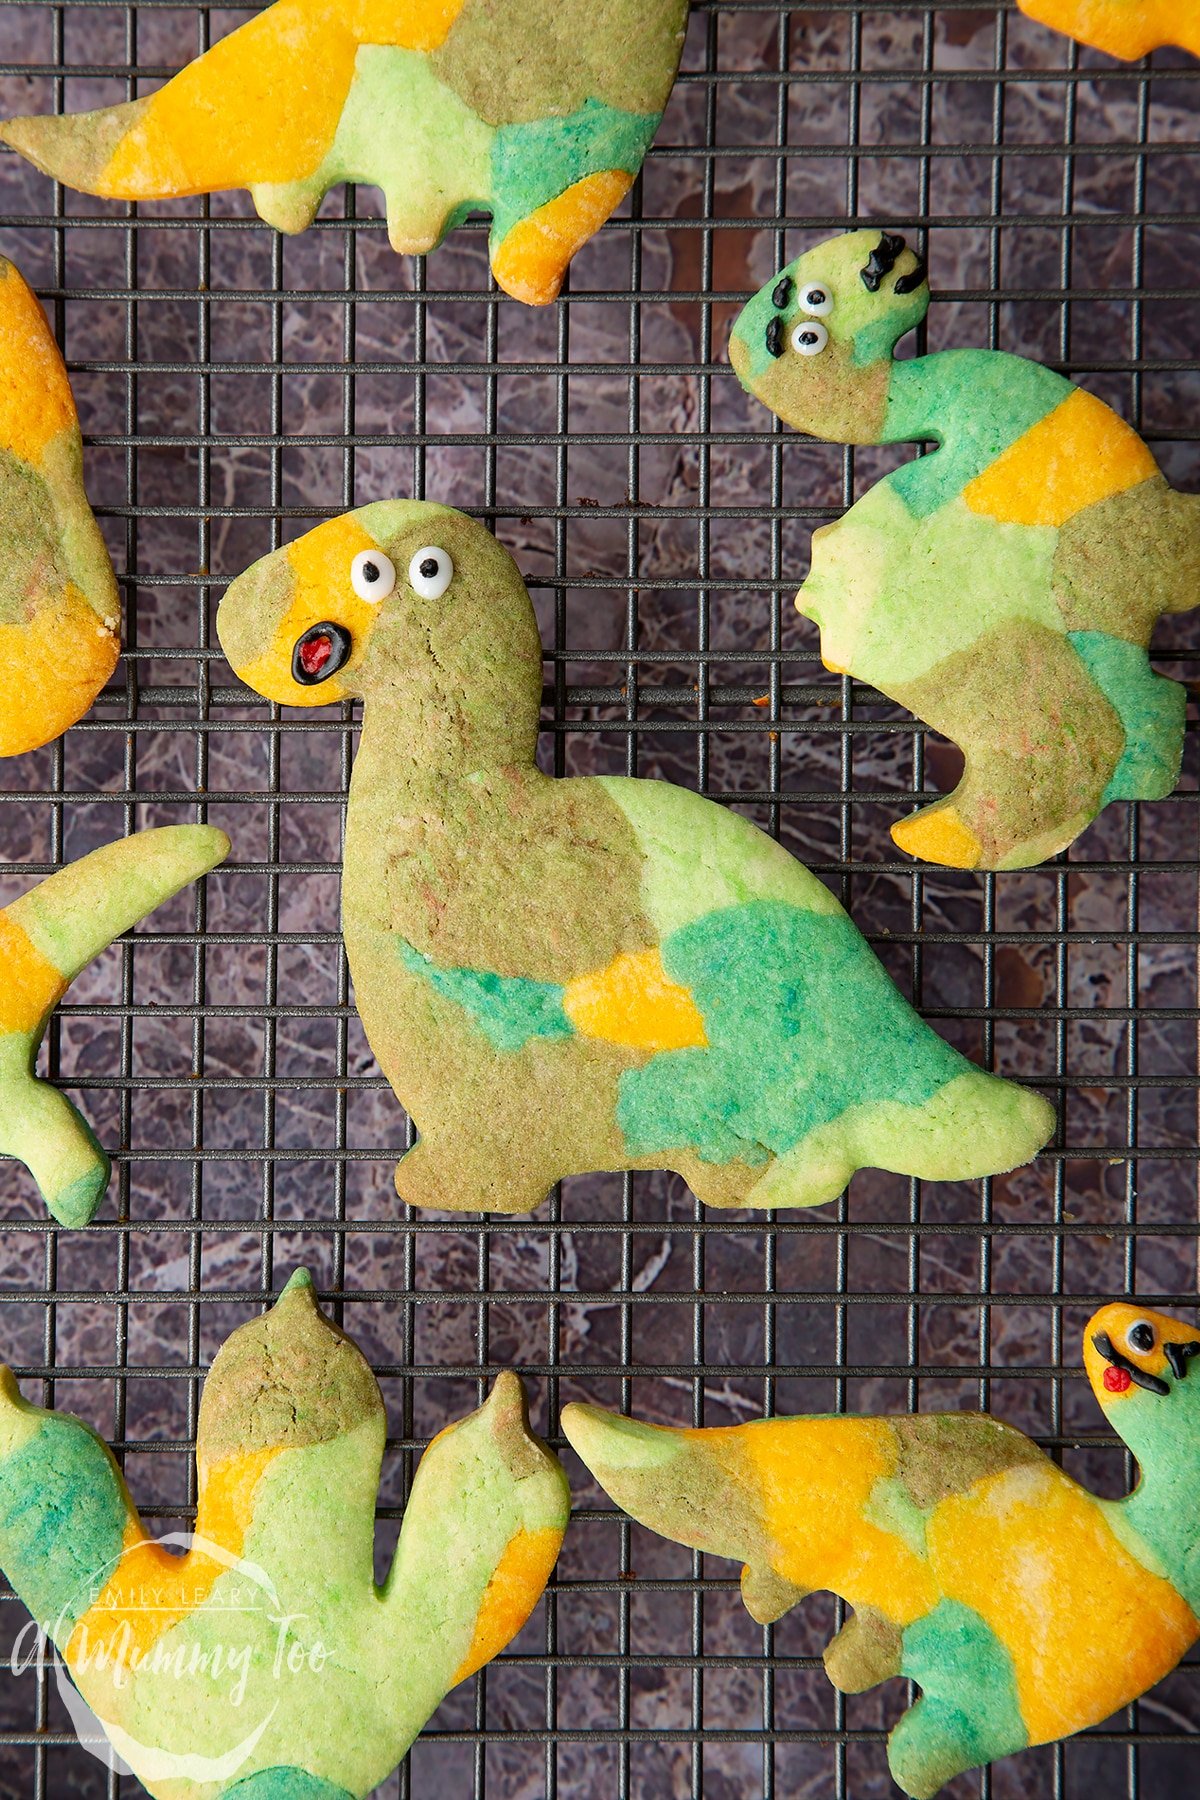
(60,615)
(565,976)
(1125,28)
(538,112)
(1005,588)
(1023,1606)
(266,1663)
(46,938)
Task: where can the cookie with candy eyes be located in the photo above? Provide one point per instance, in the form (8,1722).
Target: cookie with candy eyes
(1125,28)
(1024,1607)
(60,614)
(538,112)
(266,1664)
(565,976)
(1005,588)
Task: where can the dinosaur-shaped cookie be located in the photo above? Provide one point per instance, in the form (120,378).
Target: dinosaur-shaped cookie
(1004,588)
(266,1664)
(564,976)
(46,938)
(1024,1607)
(1126,28)
(536,111)
(59,611)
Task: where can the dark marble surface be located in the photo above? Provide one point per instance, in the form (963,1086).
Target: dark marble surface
(167,328)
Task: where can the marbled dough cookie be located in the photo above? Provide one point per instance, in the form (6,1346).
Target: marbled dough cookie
(564,976)
(537,111)
(1005,588)
(1126,28)
(266,1664)
(1024,1607)
(60,616)
(46,938)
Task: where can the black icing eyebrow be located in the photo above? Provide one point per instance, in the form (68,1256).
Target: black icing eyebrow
(1179,1355)
(882,260)
(1153,1384)
(781,296)
(907,284)
(775,337)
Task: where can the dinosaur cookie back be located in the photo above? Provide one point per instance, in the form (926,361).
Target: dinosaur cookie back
(59,610)
(265,1663)
(1024,1607)
(537,111)
(1005,588)
(1124,28)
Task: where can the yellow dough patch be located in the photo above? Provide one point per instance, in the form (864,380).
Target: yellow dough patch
(1077,455)
(54,667)
(939,836)
(151,1590)
(816,1484)
(511,1596)
(320,565)
(1085,1623)
(31,984)
(263,104)
(533,257)
(1125,28)
(35,395)
(634,1002)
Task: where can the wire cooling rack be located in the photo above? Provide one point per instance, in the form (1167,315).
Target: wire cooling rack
(235,386)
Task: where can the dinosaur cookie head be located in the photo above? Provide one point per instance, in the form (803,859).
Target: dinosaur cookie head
(402,603)
(1138,1363)
(815,344)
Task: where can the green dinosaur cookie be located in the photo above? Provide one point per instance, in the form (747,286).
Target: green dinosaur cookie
(1126,28)
(563,976)
(1024,1607)
(537,111)
(1003,589)
(46,938)
(265,1663)
(59,611)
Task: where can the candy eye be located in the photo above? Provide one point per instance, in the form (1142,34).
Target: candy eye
(372,575)
(816,300)
(431,572)
(809,338)
(1141,1336)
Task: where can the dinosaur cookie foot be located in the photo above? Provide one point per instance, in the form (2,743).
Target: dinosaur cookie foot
(937,834)
(530,260)
(445,1177)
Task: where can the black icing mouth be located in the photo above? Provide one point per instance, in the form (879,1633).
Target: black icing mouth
(1153,1384)
(319,653)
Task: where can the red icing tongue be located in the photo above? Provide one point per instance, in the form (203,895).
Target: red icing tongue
(315,654)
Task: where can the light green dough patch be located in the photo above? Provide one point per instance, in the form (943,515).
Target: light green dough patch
(888,590)
(892,1508)
(701,858)
(406,132)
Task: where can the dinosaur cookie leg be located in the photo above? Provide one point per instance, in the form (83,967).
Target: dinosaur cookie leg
(1041,742)
(969,1712)
(555,182)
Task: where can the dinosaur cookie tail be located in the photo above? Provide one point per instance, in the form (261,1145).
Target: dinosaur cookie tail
(46,938)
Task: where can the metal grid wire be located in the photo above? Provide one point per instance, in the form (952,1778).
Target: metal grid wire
(235,386)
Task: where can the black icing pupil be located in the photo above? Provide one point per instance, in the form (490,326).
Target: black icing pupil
(429,567)
(1142,1337)
(370,571)
(815,296)
(808,337)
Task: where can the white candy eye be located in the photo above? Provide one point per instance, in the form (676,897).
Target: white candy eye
(1141,1336)
(816,300)
(372,576)
(809,338)
(431,571)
